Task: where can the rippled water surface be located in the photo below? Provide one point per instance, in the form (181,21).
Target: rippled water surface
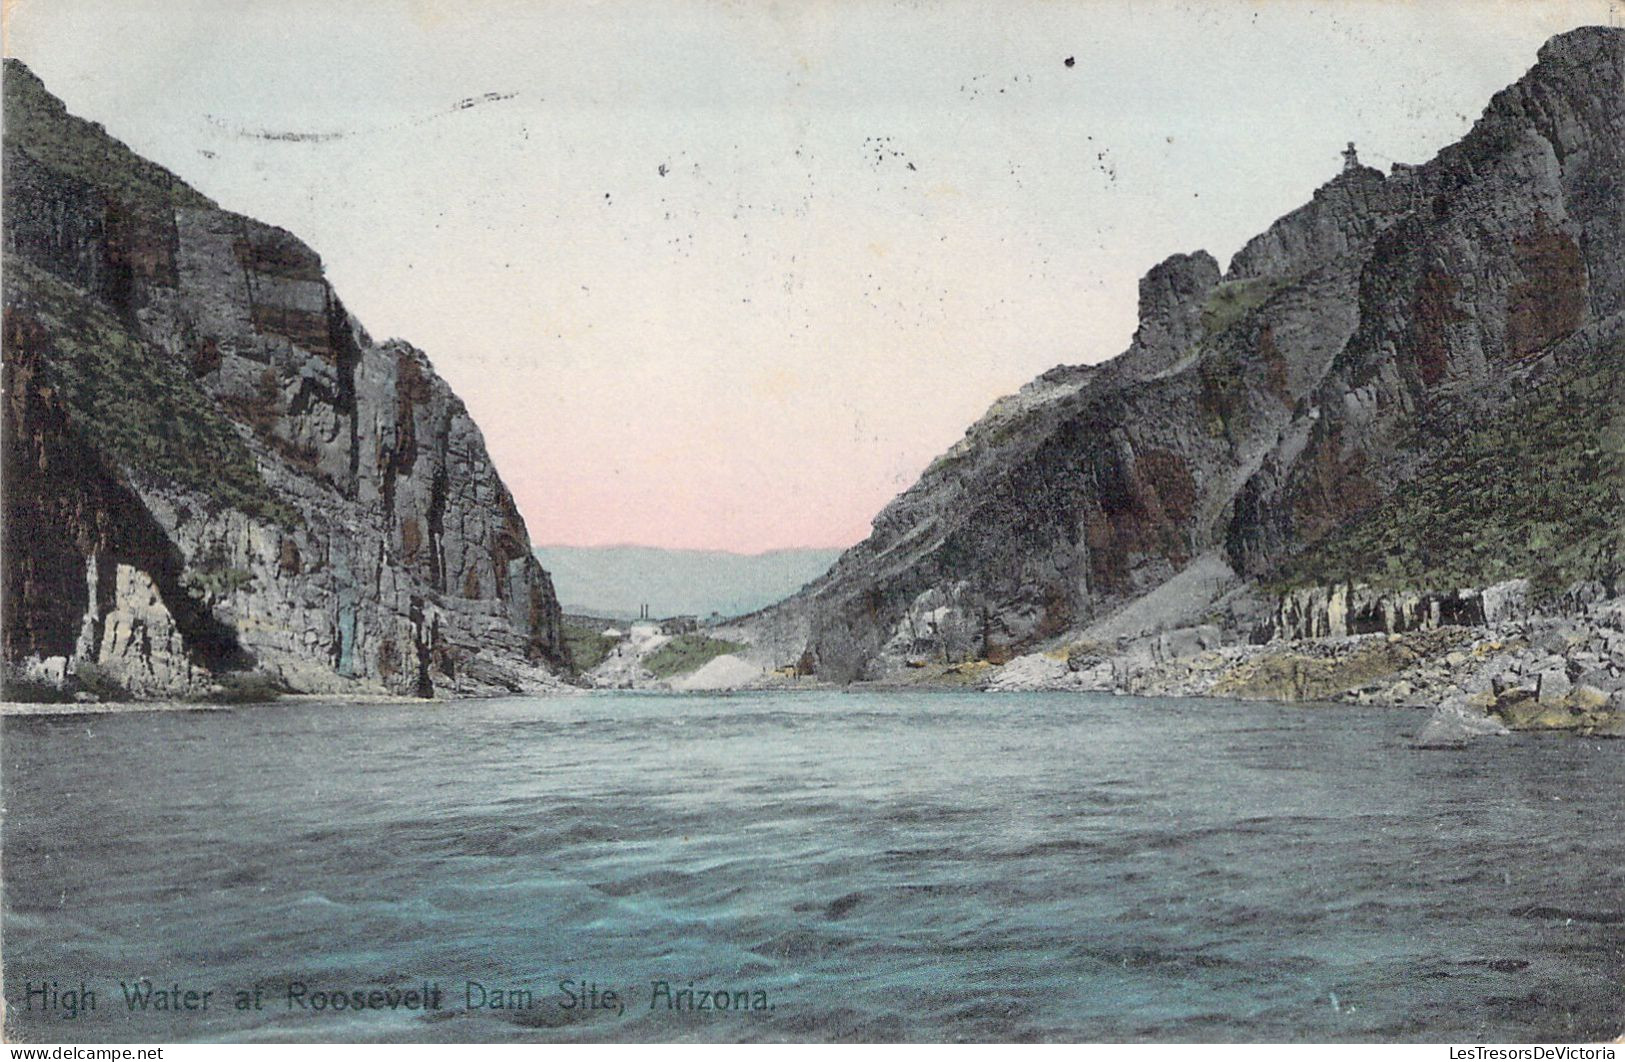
(846,866)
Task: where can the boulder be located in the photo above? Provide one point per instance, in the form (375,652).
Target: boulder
(1035,671)
(1552,686)
(1507,681)
(1453,724)
(1603,679)
(1505,601)
(1587,698)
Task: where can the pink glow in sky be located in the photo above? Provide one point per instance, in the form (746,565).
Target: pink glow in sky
(729,275)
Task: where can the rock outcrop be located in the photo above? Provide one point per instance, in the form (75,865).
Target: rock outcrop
(1557,672)
(1409,386)
(1336,611)
(211,468)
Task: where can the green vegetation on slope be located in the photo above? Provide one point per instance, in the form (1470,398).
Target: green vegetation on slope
(38,124)
(1232,300)
(139,408)
(1538,493)
(687,652)
(587,647)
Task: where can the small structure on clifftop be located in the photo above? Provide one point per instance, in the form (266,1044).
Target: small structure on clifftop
(1351,158)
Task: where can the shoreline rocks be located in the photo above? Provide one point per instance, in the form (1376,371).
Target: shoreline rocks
(1560,673)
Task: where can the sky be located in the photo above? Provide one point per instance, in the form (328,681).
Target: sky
(727,275)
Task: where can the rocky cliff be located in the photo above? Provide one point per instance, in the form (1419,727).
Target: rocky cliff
(210,469)
(1413,382)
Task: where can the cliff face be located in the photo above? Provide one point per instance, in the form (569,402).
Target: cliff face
(1392,340)
(211,468)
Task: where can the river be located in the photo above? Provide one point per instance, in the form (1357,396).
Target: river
(806,866)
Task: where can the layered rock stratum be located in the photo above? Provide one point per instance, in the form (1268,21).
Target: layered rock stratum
(212,472)
(1401,403)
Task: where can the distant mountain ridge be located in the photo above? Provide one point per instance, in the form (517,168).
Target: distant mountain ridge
(616,581)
